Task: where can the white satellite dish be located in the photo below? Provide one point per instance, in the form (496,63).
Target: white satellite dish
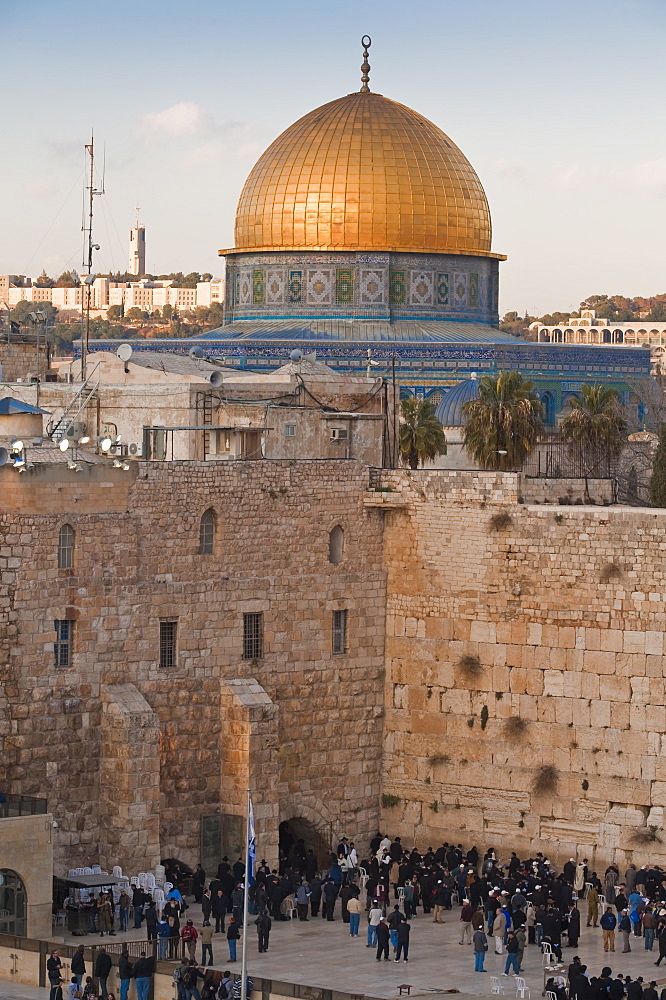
(125,352)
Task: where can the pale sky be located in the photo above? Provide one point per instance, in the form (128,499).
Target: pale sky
(559,106)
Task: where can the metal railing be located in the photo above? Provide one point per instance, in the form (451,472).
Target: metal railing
(81,397)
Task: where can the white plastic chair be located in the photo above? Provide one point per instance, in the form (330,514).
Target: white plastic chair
(290,907)
(86,871)
(158,896)
(168,886)
(586,889)
(547,956)
(551,996)
(160,874)
(117,871)
(150,880)
(362,877)
(522,989)
(96,870)
(401,896)
(602,904)
(496,986)
(134,881)
(143,880)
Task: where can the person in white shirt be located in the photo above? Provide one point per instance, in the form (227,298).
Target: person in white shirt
(374,916)
(353,856)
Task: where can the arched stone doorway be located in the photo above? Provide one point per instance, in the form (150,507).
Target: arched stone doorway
(297,837)
(13,904)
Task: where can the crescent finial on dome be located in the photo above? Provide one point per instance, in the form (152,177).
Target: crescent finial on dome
(366,42)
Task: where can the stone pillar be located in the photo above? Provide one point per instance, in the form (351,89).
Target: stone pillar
(249,760)
(129,781)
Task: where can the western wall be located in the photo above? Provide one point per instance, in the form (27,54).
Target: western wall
(524,670)
(502,680)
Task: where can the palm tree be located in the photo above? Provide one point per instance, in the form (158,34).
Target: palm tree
(421,433)
(503,422)
(597,427)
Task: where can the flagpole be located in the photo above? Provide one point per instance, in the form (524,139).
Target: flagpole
(245,899)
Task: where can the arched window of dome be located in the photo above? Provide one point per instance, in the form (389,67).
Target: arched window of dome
(66,547)
(207,533)
(336,544)
(548,401)
(435,397)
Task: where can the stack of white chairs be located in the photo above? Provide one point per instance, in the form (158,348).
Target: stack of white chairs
(134,882)
(117,871)
(160,874)
(158,896)
(150,881)
(96,870)
(87,871)
(142,879)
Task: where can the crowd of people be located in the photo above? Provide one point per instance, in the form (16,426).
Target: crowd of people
(505,906)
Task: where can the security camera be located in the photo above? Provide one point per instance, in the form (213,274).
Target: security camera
(54,824)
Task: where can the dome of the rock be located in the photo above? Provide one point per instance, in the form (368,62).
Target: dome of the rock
(363,173)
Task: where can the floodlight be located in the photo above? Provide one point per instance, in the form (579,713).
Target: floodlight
(64,444)
(117,464)
(17,445)
(18,462)
(105,444)
(125,466)
(85,439)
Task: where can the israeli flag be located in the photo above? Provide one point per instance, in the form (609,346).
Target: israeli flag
(251,846)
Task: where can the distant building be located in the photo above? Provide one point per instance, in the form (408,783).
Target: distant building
(137,250)
(147,294)
(588,328)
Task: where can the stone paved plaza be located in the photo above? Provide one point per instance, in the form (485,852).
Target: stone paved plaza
(321,954)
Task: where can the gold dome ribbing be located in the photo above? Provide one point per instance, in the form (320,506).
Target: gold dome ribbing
(363,173)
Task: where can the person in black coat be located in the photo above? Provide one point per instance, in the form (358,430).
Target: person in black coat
(219,910)
(314,885)
(403,941)
(574,927)
(78,965)
(383,939)
(102,969)
(264,924)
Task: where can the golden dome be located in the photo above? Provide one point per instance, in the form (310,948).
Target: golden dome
(364,173)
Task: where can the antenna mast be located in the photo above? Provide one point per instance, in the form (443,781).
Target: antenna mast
(88,261)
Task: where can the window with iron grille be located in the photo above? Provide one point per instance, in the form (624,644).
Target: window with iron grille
(168,637)
(253,636)
(339,635)
(66,547)
(62,647)
(207,533)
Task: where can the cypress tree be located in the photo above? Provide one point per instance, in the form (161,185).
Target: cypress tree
(658,477)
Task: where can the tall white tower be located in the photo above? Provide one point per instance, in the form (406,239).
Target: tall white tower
(137,248)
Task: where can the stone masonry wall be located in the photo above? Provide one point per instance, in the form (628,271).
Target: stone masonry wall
(551,616)
(136,562)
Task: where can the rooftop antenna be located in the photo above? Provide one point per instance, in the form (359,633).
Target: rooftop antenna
(366,42)
(88,256)
(137,209)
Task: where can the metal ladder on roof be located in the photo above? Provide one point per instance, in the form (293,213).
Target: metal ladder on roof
(55,429)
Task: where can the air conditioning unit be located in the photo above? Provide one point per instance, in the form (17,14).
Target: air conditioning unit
(135,449)
(339,434)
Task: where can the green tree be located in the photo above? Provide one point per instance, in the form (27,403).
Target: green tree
(135,314)
(68,279)
(504,422)
(43,281)
(597,426)
(22,310)
(658,477)
(115,313)
(658,313)
(421,434)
